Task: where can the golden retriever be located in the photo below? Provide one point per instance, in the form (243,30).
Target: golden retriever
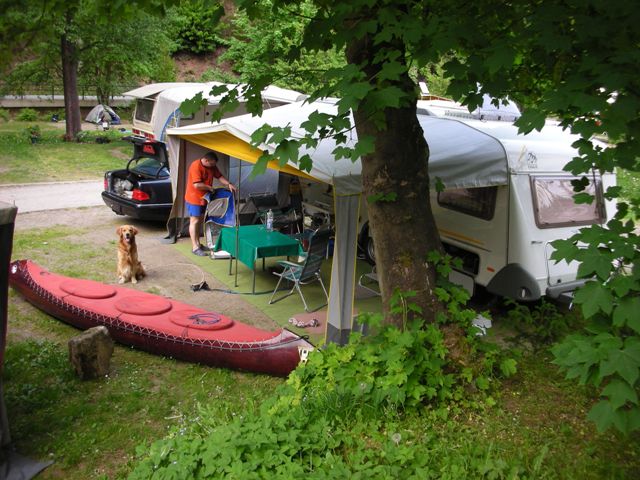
(129,267)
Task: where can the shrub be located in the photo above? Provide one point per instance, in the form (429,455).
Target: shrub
(34,133)
(4,115)
(195,27)
(543,323)
(335,417)
(27,115)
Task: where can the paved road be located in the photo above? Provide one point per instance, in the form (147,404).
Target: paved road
(33,197)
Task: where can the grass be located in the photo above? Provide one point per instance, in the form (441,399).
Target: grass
(51,159)
(630,183)
(92,429)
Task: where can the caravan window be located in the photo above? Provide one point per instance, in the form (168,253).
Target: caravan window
(144,109)
(554,205)
(479,202)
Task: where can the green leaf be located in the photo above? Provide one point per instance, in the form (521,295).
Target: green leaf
(482,383)
(625,363)
(391,71)
(627,312)
(619,393)
(603,415)
(580,198)
(508,367)
(594,297)
(365,146)
(595,261)
(382,197)
(193,105)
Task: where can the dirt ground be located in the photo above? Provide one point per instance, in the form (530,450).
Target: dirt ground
(170,273)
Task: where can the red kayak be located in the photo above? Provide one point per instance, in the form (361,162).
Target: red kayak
(157,324)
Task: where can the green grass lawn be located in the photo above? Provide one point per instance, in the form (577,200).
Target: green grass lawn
(51,159)
(536,429)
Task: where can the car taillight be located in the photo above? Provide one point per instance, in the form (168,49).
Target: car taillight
(106,184)
(139,195)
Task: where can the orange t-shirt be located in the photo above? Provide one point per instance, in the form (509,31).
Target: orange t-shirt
(198,173)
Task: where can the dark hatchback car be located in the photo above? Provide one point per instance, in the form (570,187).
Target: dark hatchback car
(142,190)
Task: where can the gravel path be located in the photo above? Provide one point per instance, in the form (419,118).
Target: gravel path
(35,197)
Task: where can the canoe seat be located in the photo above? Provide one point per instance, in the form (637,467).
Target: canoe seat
(143,305)
(87,289)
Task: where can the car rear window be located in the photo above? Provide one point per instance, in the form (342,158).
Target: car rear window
(150,167)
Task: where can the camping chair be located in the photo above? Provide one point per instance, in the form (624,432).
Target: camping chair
(369,282)
(308,271)
(282,217)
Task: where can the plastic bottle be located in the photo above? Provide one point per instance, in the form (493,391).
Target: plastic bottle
(269,221)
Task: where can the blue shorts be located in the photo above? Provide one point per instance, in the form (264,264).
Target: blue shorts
(195,210)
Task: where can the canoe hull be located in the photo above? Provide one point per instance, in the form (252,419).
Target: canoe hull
(277,354)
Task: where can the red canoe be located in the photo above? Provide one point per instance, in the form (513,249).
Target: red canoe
(157,324)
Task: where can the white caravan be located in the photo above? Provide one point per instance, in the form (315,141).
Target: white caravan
(502,223)
(158,105)
(506,197)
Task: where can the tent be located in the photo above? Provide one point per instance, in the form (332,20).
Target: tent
(463,153)
(97,114)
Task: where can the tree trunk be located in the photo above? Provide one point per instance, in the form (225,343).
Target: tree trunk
(70,86)
(398,165)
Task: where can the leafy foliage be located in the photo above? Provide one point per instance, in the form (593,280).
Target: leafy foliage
(266,43)
(194,26)
(543,323)
(27,115)
(328,419)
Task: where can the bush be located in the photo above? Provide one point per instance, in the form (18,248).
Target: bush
(27,115)
(4,115)
(34,133)
(195,27)
(337,415)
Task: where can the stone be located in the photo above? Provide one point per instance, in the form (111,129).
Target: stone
(90,353)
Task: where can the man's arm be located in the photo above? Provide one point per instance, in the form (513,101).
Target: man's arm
(208,188)
(227,183)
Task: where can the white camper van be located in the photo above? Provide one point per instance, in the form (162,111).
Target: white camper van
(505,201)
(158,105)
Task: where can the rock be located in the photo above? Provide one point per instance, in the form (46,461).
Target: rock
(90,353)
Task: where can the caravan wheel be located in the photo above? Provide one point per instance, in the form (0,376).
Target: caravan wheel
(369,252)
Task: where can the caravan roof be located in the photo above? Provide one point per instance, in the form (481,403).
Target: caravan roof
(463,152)
(155,88)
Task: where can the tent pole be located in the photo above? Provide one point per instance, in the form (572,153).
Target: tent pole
(237,209)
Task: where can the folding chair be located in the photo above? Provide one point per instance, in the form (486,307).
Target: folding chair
(369,282)
(308,271)
(282,217)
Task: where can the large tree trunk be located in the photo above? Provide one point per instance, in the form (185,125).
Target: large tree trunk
(70,86)
(403,230)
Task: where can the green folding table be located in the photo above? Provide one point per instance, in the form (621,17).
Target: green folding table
(254,242)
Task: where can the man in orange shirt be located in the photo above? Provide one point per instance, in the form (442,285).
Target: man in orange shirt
(199,182)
